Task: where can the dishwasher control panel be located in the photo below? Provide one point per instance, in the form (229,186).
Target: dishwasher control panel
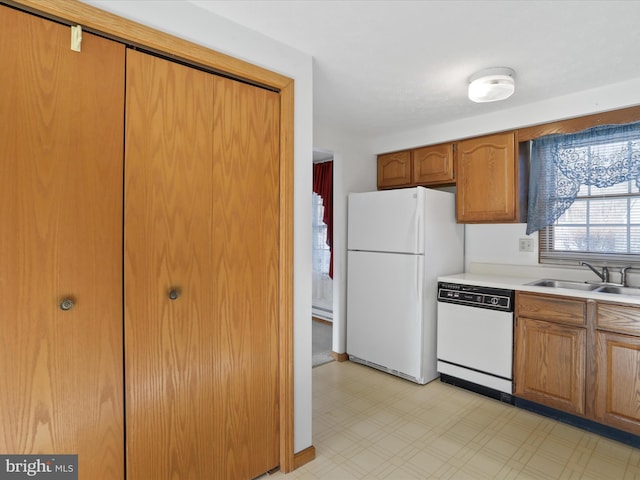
(476,296)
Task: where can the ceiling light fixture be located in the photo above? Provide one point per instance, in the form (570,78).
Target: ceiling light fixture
(491,85)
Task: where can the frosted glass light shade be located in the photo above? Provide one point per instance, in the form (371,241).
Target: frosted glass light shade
(491,85)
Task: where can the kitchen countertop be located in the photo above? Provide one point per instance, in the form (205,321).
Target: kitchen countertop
(520,283)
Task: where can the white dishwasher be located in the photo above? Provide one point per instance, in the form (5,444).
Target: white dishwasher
(475,338)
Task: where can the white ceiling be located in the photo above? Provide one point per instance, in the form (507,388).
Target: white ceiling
(388,66)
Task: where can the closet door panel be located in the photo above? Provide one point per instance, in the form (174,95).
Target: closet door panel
(61,143)
(245,209)
(170,343)
(201,218)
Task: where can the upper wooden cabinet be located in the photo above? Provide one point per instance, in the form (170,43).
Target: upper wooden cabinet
(490,183)
(394,170)
(433,165)
(491,173)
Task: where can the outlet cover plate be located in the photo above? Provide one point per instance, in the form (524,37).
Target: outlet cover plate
(525,245)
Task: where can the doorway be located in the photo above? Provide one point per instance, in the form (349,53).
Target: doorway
(322,269)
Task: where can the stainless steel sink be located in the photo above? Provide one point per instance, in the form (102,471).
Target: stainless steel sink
(620,290)
(587,287)
(547,282)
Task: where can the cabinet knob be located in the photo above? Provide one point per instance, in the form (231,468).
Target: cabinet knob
(66,304)
(174,293)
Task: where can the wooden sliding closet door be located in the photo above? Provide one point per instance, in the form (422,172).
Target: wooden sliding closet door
(245,286)
(61,149)
(201,274)
(170,344)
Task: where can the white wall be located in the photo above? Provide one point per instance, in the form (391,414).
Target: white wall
(498,244)
(612,97)
(199,26)
(354,170)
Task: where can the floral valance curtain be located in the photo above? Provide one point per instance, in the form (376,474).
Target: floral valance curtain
(600,156)
(323,186)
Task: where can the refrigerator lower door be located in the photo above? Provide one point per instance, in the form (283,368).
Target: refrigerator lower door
(384,312)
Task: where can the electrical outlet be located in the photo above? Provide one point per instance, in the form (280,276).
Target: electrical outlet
(525,245)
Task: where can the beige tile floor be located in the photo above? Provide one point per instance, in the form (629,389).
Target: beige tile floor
(371,425)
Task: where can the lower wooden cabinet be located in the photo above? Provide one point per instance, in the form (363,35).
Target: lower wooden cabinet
(618,381)
(579,356)
(550,351)
(617,366)
(550,364)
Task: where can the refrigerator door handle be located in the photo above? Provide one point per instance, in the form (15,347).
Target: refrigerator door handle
(419,278)
(418,233)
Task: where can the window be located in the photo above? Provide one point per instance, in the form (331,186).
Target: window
(602,224)
(585,195)
(322,285)
(321,251)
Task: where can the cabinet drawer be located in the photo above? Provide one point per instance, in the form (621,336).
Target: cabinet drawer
(619,318)
(555,309)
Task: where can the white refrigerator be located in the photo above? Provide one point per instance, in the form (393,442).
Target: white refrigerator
(399,242)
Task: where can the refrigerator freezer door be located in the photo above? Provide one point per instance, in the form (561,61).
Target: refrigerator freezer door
(387,221)
(384,311)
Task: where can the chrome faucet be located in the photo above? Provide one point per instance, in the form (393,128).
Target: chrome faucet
(604,276)
(623,276)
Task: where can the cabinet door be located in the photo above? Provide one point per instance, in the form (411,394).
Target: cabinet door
(61,146)
(487,179)
(201,216)
(394,170)
(618,381)
(550,364)
(433,165)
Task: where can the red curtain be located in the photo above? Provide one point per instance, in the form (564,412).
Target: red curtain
(323,186)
